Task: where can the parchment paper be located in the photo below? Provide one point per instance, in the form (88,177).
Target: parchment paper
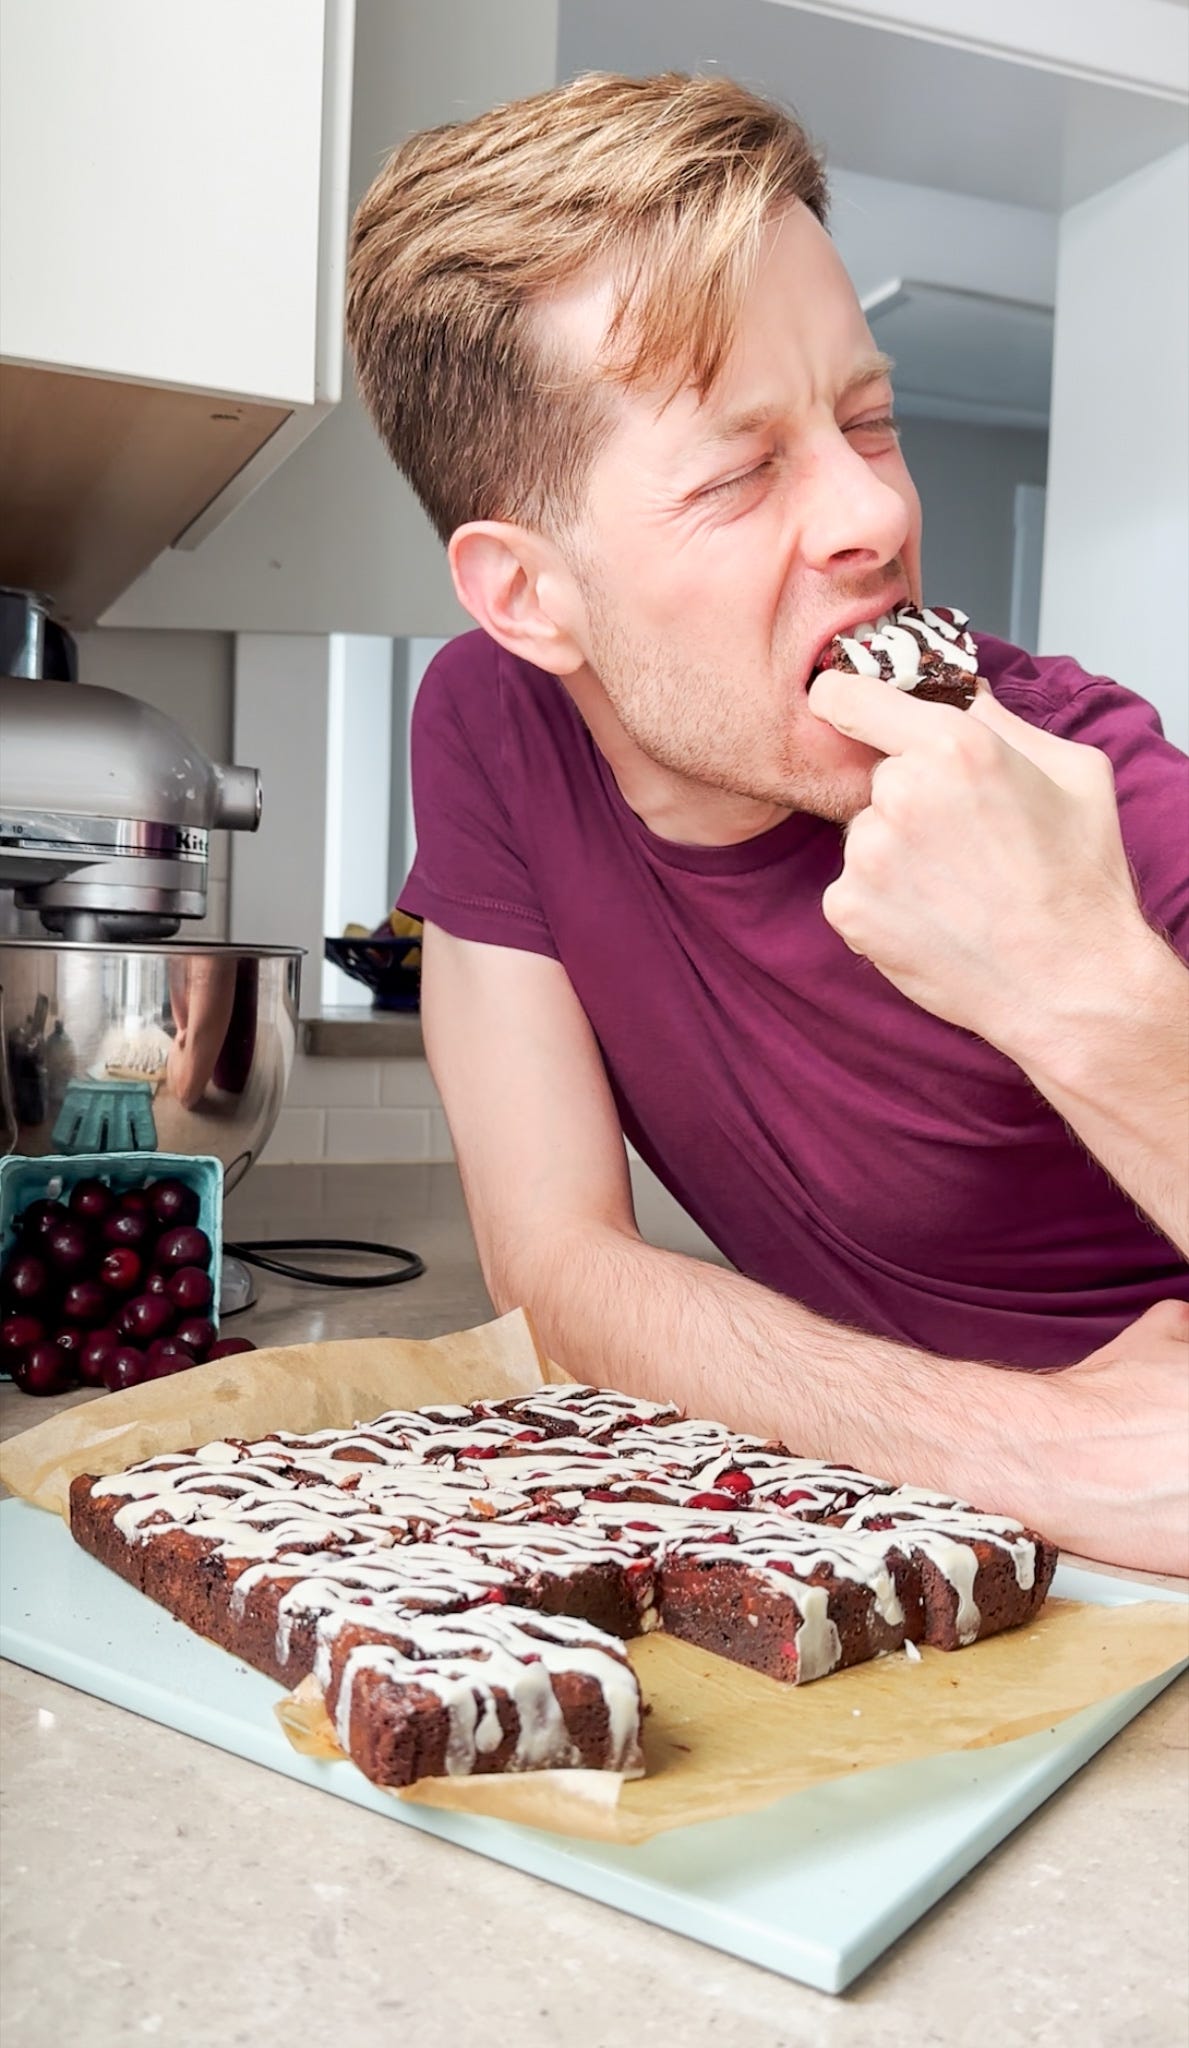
(719,1740)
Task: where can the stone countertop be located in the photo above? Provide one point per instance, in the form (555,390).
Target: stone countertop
(353,1032)
(155,1888)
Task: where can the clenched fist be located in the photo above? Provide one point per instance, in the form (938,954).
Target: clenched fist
(988,871)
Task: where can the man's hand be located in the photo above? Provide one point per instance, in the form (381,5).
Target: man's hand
(1120,1449)
(989,867)
(988,880)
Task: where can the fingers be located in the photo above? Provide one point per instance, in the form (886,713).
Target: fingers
(1041,747)
(874,712)
(895,722)
(1082,769)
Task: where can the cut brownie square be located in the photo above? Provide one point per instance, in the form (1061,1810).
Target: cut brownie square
(496,1689)
(794,1605)
(978,1574)
(603,1578)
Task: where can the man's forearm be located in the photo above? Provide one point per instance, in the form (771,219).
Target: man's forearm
(1114,1062)
(615,1311)
(1094,1456)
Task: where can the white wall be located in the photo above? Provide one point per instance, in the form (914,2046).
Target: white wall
(1117,530)
(884,228)
(359,797)
(967,478)
(282,712)
(335,541)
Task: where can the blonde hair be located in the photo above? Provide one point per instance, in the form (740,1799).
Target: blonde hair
(664,184)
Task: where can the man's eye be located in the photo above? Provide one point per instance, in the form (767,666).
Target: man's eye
(886,424)
(732,483)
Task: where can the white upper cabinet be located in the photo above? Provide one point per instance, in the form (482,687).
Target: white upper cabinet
(173,219)
(166,174)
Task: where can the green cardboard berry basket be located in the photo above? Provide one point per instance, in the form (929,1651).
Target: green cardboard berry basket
(24,1180)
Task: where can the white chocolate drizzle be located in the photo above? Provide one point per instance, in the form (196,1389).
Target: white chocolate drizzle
(436,1532)
(465,1659)
(901,637)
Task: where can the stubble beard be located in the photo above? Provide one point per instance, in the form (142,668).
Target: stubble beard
(654,701)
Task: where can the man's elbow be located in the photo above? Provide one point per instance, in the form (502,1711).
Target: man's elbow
(516,1275)
(541,1271)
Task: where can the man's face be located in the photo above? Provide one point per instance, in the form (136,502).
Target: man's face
(725,542)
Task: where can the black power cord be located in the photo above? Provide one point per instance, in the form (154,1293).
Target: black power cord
(257,1252)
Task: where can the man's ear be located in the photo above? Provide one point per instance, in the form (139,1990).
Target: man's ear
(515,585)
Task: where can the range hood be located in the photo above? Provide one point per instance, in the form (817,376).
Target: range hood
(97,476)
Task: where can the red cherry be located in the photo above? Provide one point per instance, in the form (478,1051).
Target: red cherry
(127,1226)
(145,1317)
(125,1368)
(184,1247)
(229,1347)
(711,1500)
(39,1217)
(70,1343)
(26,1280)
(120,1270)
(734,1481)
(16,1334)
(43,1370)
(166,1357)
(190,1289)
(173,1203)
(91,1199)
(197,1333)
(156,1282)
(85,1301)
(68,1245)
(95,1357)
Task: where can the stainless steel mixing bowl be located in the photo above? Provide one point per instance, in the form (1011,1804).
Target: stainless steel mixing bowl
(168,1048)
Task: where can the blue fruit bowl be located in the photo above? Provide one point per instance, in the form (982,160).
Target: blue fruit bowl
(380,965)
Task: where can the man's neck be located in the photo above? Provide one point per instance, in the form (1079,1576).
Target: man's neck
(670,804)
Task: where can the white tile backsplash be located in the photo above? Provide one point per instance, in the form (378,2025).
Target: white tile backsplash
(360,1110)
(377,1134)
(298,1138)
(335,1084)
(440,1143)
(407,1084)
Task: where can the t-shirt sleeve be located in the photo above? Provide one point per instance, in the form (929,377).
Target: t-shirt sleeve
(1152,786)
(469,874)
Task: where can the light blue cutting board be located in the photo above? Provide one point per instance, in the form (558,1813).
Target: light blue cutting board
(815,1886)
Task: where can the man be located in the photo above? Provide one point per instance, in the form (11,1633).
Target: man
(881,989)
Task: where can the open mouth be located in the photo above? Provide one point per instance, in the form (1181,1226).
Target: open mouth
(860,628)
(926,652)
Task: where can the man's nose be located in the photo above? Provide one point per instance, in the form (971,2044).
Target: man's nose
(848,516)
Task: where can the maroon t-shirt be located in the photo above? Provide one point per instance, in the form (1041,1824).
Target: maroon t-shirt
(837,1143)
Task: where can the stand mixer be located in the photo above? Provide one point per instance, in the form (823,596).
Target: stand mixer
(115,1034)
(106,808)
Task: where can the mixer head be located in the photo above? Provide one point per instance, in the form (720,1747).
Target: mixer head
(106,808)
